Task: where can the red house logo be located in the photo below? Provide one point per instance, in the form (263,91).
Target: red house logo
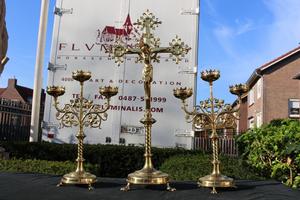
(111,34)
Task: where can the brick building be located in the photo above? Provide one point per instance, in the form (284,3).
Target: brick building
(15,111)
(16,92)
(274,92)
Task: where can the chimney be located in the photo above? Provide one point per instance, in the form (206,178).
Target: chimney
(12,82)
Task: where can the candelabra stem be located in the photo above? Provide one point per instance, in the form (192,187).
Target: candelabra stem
(80,158)
(215,162)
(147,121)
(148,155)
(214,135)
(148,175)
(80,136)
(211,95)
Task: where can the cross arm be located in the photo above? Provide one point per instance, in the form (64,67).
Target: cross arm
(161,50)
(119,51)
(177,49)
(133,51)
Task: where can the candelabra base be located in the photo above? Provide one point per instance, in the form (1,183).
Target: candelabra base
(80,178)
(148,176)
(216,181)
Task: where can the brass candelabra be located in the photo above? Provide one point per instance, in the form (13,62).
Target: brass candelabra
(83,113)
(212,114)
(148,50)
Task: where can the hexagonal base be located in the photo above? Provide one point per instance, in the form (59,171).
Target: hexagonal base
(81,178)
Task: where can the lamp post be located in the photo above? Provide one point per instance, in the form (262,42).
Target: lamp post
(212,114)
(148,50)
(83,113)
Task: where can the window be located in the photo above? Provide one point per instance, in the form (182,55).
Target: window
(122,141)
(108,140)
(258,119)
(29,100)
(251,97)
(251,122)
(259,88)
(294,108)
(180,145)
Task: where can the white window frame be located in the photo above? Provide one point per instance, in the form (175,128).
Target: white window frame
(251,96)
(259,88)
(251,123)
(259,119)
(294,104)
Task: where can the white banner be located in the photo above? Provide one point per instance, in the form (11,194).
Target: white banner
(82,34)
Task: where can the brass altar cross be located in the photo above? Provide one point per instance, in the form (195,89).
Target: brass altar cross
(147,50)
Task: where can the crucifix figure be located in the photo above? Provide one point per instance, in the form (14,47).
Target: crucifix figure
(148,50)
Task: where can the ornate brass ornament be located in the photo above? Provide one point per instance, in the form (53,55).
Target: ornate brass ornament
(83,113)
(148,50)
(212,114)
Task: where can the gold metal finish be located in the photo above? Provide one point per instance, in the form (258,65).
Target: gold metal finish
(56,91)
(81,112)
(108,92)
(81,76)
(210,75)
(212,114)
(183,93)
(238,89)
(148,50)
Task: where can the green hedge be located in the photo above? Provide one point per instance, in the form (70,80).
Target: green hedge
(274,150)
(42,166)
(113,160)
(191,167)
(181,167)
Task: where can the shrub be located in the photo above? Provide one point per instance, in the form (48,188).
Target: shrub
(113,160)
(42,166)
(274,150)
(192,167)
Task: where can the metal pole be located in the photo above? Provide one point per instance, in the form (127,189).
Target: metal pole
(196,49)
(38,73)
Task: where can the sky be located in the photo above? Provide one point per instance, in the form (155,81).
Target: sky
(235,37)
